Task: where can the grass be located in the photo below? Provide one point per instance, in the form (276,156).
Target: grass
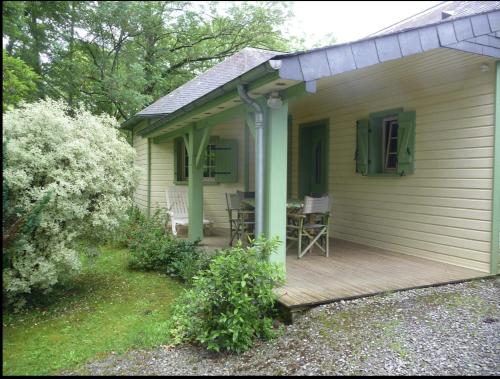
(107,308)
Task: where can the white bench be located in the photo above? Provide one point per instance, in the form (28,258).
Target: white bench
(177,208)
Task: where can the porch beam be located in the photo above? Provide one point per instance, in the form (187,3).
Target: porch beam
(195,186)
(218,118)
(169,136)
(276,178)
(250,122)
(200,155)
(495,207)
(196,108)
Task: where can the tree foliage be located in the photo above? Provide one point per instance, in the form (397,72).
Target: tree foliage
(18,81)
(116,57)
(75,176)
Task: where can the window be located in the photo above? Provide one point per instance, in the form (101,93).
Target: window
(385,143)
(220,162)
(390,144)
(183,162)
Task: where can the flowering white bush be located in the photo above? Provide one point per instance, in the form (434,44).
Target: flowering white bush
(86,164)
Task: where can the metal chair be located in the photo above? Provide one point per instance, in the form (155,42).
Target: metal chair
(241,221)
(310,226)
(245,195)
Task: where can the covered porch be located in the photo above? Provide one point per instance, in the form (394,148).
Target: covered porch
(353,270)
(427,217)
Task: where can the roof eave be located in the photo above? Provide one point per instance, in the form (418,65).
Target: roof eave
(252,75)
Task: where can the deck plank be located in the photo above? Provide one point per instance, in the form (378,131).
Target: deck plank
(354,270)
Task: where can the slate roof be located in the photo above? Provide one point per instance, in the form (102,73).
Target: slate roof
(222,73)
(455,9)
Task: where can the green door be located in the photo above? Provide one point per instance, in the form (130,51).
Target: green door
(313,175)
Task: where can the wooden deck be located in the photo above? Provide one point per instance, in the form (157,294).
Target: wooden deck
(354,270)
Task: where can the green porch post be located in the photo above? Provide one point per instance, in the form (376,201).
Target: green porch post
(276,178)
(195,140)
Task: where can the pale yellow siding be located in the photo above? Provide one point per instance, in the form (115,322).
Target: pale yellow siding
(443,210)
(141,161)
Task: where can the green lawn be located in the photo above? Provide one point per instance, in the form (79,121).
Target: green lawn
(106,309)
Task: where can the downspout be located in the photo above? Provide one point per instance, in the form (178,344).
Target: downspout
(259,152)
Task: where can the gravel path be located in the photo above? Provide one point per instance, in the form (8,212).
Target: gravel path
(447,330)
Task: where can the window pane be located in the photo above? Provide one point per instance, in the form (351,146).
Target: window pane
(183,162)
(390,147)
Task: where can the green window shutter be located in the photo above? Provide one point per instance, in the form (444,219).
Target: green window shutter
(362,130)
(226,161)
(406,142)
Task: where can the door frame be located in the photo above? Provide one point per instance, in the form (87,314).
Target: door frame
(302,129)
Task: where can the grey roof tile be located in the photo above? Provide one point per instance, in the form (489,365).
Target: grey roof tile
(434,14)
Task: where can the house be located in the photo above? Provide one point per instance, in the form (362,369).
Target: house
(425,210)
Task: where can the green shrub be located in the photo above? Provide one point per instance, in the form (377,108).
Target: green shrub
(231,303)
(82,170)
(131,219)
(151,248)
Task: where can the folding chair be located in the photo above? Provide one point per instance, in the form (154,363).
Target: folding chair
(310,226)
(241,221)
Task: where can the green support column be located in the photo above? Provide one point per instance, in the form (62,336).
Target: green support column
(276,178)
(195,185)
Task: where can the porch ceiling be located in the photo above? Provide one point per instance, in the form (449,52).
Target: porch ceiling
(226,107)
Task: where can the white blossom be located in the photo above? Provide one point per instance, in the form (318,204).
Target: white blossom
(89,167)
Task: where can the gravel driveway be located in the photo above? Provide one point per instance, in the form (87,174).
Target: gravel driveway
(447,330)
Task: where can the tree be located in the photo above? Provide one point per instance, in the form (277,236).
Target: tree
(18,81)
(86,166)
(116,57)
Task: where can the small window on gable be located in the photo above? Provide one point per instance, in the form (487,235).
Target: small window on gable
(385,143)
(220,162)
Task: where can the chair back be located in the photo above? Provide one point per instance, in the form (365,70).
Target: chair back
(245,195)
(177,201)
(233,201)
(316,204)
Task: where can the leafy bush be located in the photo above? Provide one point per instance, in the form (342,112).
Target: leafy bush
(151,248)
(231,303)
(87,167)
